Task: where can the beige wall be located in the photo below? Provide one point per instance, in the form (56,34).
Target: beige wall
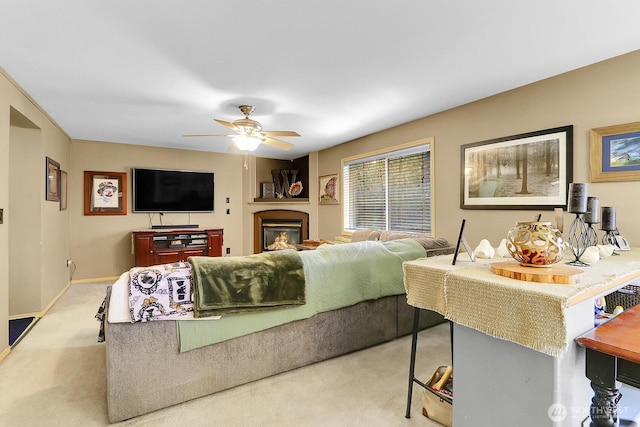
(28,135)
(101,245)
(602,94)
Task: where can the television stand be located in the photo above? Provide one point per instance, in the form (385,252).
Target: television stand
(166,227)
(153,247)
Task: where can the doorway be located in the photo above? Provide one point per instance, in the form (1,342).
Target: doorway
(23,215)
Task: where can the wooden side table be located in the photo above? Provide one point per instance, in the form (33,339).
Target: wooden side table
(612,353)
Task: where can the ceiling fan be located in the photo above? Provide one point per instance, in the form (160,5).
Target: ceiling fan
(249,134)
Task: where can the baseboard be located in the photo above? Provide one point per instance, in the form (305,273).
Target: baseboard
(5,353)
(95,279)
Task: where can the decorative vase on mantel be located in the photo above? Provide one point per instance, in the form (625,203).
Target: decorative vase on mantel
(535,244)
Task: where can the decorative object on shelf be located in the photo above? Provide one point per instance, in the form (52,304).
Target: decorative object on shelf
(498,173)
(105,193)
(535,244)
(609,218)
(484,249)
(275,175)
(268,190)
(577,199)
(285,182)
(578,230)
(609,226)
(591,255)
(281,181)
(614,153)
(329,189)
(52,175)
(605,250)
(592,217)
(502,250)
(295,189)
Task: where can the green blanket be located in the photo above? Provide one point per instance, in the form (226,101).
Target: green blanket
(336,276)
(248,283)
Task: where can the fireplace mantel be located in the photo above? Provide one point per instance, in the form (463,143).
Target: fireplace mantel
(296,200)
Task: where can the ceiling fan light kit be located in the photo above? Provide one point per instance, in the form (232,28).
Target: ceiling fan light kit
(246,143)
(250,134)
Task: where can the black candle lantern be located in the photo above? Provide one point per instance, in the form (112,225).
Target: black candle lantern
(609,218)
(592,217)
(577,200)
(609,226)
(578,237)
(593,211)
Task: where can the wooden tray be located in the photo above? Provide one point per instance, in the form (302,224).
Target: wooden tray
(560,274)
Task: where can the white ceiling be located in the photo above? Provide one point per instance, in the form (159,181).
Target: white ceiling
(148,71)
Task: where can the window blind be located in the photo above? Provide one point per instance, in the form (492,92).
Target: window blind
(389,192)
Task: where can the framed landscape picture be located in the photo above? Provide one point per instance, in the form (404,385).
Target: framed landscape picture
(614,153)
(526,171)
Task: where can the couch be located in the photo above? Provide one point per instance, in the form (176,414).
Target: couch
(146,370)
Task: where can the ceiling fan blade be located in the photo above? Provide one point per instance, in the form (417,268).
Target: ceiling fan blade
(226,124)
(278,144)
(208,135)
(280,133)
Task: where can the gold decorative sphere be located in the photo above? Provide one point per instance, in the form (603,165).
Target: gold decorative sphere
(535,244)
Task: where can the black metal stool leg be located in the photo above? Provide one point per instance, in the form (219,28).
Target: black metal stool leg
(412,363)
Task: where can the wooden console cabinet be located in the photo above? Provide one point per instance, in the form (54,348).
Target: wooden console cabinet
(153,247)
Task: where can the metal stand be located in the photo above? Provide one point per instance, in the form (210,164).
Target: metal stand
(578,239)
(412,363)
(592,237)
(609,238)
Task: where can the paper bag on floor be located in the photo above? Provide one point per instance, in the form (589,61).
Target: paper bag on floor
(437,401)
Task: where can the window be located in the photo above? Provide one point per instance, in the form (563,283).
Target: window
(389,190)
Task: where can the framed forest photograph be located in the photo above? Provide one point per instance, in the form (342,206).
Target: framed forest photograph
(526,171)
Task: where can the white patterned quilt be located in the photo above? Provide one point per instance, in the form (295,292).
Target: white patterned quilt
(160,292)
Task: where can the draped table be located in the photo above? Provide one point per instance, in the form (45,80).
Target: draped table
(514,340)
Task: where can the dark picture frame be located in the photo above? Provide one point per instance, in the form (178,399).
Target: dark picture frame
(525,171)
(52,180)
(614,153)
(463,242)
(63,190)
(105,193)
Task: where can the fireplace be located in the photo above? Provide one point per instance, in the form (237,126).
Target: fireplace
(279,229)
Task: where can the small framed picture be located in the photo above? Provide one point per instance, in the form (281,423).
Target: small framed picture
(329,189)
(614,153)
(105,193)
(63,190)
(52,174)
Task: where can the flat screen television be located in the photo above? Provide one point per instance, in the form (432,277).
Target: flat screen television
(166,190)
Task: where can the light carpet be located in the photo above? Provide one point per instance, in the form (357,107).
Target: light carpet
(56,376)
